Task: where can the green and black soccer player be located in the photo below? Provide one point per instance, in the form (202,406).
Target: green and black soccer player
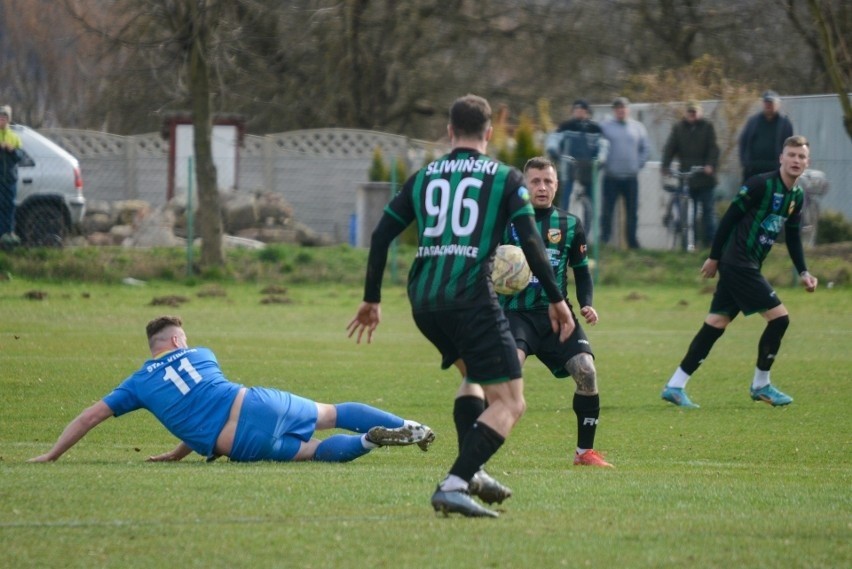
(565,241)
(462,203)
(765,204)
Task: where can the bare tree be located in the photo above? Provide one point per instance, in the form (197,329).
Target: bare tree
(195,27)
(44,66)
(189,38)
(394,66)
(827,35)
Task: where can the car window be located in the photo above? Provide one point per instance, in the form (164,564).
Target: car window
(26,160)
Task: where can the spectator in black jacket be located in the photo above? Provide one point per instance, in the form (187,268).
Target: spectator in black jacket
(762,139)
(693,142)
(574,147)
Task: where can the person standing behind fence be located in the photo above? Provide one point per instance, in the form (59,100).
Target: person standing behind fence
(580,138)
(628,152)
(693,142)
(10,155)
(762,138)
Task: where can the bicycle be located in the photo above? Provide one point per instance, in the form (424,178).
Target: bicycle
(680,210)
(581,196)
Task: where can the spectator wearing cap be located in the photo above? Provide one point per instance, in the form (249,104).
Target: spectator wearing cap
(628,151)
(762,139)
(574,147)
(10,155)
(693,142)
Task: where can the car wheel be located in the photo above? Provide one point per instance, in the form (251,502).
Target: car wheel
(42,225)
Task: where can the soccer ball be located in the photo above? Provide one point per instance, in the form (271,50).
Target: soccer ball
(510,273)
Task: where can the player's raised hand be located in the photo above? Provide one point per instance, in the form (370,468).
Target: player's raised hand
(367,318)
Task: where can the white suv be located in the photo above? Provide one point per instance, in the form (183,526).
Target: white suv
(50,202)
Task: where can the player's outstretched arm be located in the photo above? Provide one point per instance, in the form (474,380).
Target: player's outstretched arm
(175,455)
(585,287)
(793,237)
(76,430)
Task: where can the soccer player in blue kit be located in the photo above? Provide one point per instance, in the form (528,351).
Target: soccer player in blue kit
(186,391)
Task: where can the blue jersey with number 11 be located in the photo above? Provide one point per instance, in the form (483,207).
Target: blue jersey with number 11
(185,390)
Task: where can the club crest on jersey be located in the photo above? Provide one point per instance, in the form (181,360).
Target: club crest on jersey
(554,235)
(524,194)
(776,201)
(791,208)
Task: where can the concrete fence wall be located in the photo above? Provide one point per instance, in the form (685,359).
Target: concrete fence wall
(321,172)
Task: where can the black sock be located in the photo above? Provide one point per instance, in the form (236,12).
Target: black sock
(700,347)
(480,444)
(466,411)
(588,409)
(770,342)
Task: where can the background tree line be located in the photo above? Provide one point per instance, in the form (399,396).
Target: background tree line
(117,65)
(122,65)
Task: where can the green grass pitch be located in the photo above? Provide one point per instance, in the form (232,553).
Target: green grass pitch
(733,484)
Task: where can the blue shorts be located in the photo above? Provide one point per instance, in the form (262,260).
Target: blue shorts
(273,425)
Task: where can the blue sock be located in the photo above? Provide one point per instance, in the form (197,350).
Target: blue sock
(340,448)
(360,418)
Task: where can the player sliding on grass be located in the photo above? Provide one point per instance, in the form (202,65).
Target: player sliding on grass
(766,204)
(185,389)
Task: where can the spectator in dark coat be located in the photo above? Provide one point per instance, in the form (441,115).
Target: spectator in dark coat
(762,139)
(693,142)
(575,145)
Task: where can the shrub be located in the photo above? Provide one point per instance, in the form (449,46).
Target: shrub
(833,228)
(378,171)
(525,147)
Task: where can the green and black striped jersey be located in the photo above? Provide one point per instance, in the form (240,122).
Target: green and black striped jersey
(462,203)
(565,243)
(766,206)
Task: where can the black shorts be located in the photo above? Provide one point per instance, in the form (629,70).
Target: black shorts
(479,336)
(742,289)
(535,337)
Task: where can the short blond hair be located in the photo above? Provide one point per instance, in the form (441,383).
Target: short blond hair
(797,140)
